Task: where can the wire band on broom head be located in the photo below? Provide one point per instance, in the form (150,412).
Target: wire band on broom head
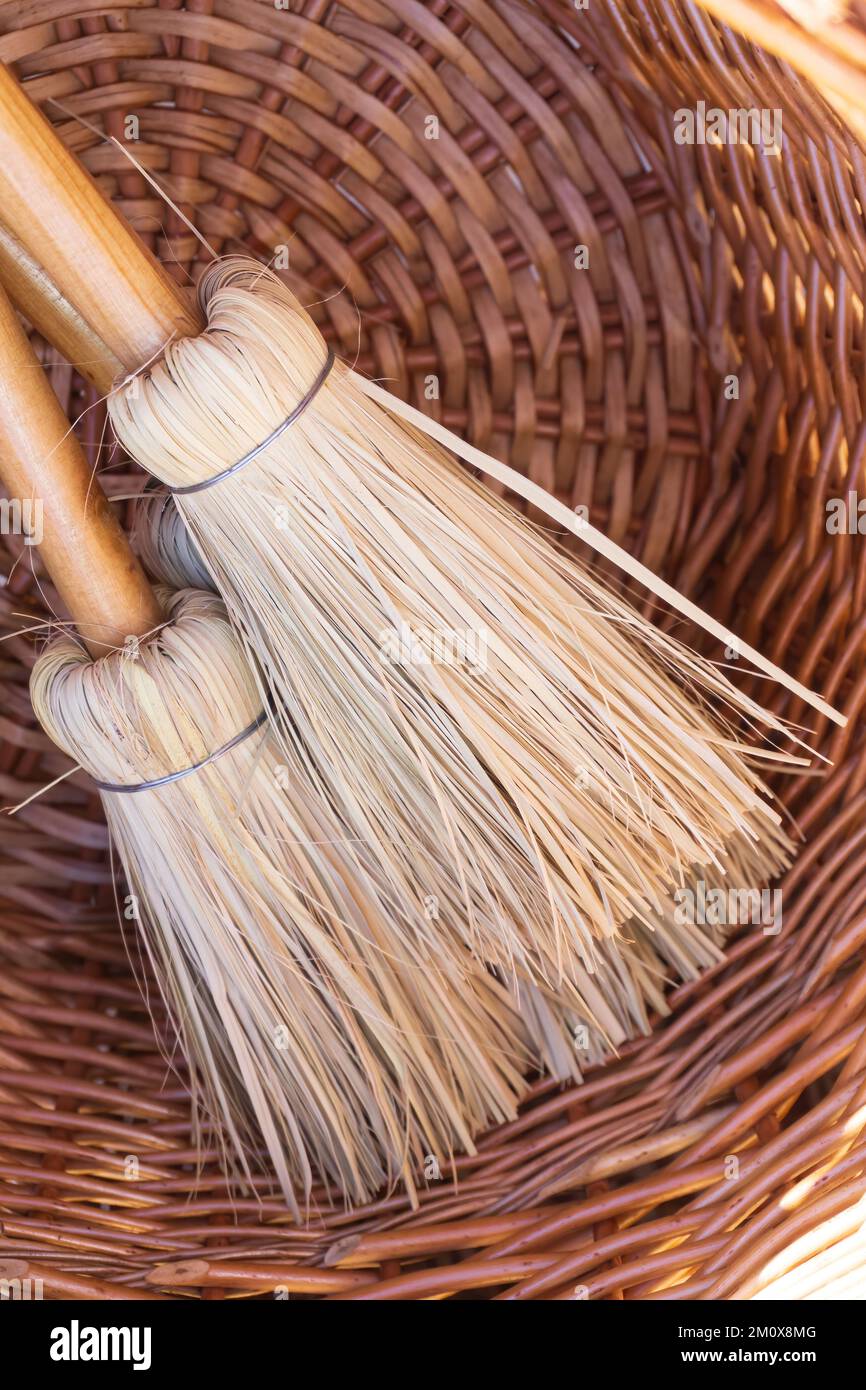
(266,443)
(185,771)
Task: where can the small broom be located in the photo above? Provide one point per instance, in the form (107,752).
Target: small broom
(281,956)
(671,947)
(555,1033)
(542,802)
(629,973)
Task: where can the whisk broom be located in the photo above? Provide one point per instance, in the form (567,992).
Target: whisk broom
(628,975)
(553,1027)
(542,802)
(283,960)
(555,1031)
(673,948)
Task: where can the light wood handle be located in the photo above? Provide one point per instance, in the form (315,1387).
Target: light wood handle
(46,473)
(100,266)
(34,293)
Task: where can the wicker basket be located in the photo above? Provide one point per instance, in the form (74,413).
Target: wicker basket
(723,1155)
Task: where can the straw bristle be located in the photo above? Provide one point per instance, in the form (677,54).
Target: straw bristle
(632,971)
(509,738)
(306,1007)
(162,541)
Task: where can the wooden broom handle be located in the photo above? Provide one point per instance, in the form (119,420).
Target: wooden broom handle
(102,269)
(34,293)
(82,543)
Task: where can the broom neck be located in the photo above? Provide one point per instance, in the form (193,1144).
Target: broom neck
(55,501)
(97,263)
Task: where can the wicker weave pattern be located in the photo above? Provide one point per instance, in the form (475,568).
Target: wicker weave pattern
(308,129)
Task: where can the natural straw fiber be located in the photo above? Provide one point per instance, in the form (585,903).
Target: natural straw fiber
(630,970)
(283,968)
(162,541)
(543,780)
(446,270)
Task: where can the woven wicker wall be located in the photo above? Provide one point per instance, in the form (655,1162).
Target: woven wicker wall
(454,257)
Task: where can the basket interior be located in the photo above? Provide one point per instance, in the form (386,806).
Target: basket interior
(429,179)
